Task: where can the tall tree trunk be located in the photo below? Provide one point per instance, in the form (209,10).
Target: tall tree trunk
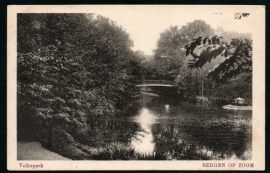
(202,87)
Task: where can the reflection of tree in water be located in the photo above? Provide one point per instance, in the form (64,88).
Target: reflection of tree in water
(198,132)
(191,139)
(102,131)
(184,132)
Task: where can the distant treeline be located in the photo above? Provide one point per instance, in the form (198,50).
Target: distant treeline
(170,62)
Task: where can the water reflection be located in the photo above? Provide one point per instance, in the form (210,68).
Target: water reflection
(167,108)
(184,132)
(143,139)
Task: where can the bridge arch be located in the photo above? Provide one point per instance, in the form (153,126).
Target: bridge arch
(156,83)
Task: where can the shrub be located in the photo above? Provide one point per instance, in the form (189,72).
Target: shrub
(115,151)
(153,156)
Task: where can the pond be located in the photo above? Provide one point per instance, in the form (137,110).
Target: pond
(152,124)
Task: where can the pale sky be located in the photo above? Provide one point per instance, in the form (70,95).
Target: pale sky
(145,23)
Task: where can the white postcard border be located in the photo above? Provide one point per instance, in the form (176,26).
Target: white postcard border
(258,117)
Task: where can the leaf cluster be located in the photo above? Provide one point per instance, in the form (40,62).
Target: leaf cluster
(72,66)
(237,56)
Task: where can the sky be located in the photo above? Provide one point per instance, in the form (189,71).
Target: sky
(145,23)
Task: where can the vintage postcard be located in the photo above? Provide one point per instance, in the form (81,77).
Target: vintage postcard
(136,87)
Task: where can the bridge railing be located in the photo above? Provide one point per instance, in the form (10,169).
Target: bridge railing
(157,82)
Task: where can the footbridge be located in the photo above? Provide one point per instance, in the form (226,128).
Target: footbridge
(156,83)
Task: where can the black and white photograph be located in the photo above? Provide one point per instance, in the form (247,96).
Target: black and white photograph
(142,84)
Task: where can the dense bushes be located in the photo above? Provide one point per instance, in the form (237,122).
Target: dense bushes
(71,66)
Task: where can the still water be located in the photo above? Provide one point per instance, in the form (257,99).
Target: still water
(152,124)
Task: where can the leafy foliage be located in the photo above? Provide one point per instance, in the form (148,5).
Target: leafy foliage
(188,83)
(121,151)
(114,151)
(71,66)
(227,36)
(240,15)
(169,56)
(238,56)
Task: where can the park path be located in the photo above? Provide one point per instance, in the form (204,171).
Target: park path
(34,151)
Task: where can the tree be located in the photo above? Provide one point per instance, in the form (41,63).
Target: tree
(238,56)
(227,36)
(71,66)
(188,83)
(169,55)
(167,61)
(240,15)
